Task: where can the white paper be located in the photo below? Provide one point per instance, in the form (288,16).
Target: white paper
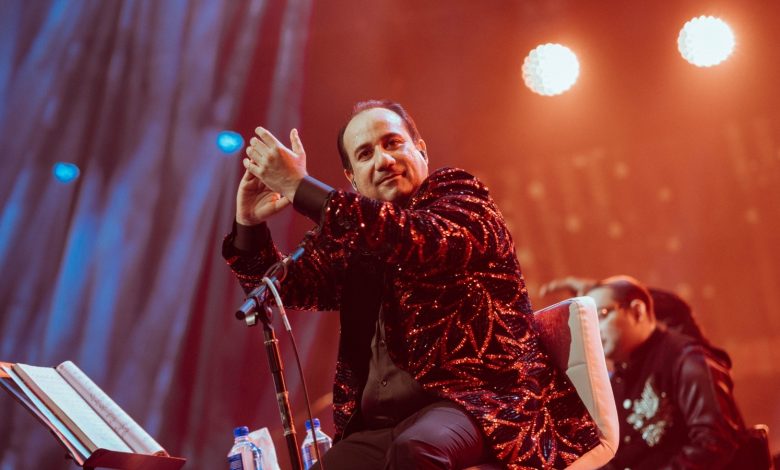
(262,439)
(79,452)
(71,407)
(134,435)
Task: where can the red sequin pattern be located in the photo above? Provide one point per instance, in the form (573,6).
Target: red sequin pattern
(456,310)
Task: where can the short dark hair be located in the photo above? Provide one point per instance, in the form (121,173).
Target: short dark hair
(626,289)
(676,314)
(361,106)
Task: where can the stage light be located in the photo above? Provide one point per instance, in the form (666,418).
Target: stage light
(229,141)
(705,41)
(65,172)
(550,69)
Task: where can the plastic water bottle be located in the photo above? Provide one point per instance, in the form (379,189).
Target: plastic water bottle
(244,455)
(307,448)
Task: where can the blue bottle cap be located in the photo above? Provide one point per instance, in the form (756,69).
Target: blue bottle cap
(241,431)
(316,423)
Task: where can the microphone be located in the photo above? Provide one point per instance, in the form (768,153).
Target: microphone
(257,296)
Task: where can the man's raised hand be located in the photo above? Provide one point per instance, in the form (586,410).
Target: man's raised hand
(255,202)
(280,168)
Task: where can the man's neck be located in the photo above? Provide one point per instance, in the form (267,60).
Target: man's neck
(641,339)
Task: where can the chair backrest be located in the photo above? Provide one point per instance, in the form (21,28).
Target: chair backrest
(569,330)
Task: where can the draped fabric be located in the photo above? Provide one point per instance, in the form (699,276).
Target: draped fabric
(120,271)
(647,166)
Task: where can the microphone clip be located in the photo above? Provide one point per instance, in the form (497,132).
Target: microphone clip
(248,311)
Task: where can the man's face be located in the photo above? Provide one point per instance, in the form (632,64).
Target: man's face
(616,324)
(386,164)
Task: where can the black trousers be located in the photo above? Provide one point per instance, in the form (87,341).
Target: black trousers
(440,436)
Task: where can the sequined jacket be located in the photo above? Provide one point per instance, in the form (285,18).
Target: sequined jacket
(675,406)
(456,307)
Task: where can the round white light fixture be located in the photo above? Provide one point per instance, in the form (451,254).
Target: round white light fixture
(705,41)
(550,69)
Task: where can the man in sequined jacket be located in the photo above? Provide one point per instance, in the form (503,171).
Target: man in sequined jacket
(674,396)
(438,366)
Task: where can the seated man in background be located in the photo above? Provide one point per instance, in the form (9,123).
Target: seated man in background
(670,310)
(674,397)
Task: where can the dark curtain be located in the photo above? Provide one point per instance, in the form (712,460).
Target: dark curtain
(120,270)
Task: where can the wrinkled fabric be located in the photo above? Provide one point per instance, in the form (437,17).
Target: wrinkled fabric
(457,314)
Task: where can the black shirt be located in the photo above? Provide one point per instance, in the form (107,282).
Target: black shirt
(391,394)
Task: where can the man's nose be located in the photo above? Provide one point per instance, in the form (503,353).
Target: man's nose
(384,159)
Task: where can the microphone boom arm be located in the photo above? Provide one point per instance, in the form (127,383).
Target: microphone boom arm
(249,309)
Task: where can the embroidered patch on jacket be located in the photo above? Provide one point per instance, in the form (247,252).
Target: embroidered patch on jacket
(651,414)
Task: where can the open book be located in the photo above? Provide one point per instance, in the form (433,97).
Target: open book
(78,412)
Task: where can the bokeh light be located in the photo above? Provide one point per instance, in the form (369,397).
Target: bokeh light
(229,141)
(65,172)
(550,69)
(705,41)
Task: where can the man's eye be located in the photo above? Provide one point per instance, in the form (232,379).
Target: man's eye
(394,142)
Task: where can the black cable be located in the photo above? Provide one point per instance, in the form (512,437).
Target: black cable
(283,314)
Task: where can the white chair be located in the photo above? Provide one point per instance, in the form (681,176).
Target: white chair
(569,331)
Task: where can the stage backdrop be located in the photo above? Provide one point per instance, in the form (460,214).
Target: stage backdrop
(120,271)
(648,166)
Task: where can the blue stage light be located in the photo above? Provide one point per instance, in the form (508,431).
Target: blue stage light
(66,172)
(229,141)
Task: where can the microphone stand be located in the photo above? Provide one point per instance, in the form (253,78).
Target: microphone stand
(282,397)
(255,307)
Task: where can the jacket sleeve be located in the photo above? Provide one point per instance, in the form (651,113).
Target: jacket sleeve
(704,394)
(312,283)
(451,221)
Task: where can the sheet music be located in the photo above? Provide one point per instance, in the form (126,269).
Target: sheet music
(72,408)
(79,452)
(133,434)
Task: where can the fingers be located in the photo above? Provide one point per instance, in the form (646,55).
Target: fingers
(248,176)
(256,149)
(546,289)
(261,145)
(257,154)
(295,141)
(265,142)
(266,137)
(556,285)
(570,285)
(251,169)
(281,203)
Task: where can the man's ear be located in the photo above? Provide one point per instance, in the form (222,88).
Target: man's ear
(638,309)
(422,149)
(351,178)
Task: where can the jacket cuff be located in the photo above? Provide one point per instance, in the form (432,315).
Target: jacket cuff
(310,198)
(250,238)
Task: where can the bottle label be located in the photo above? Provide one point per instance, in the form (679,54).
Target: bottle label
(236,462)
(309,455)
